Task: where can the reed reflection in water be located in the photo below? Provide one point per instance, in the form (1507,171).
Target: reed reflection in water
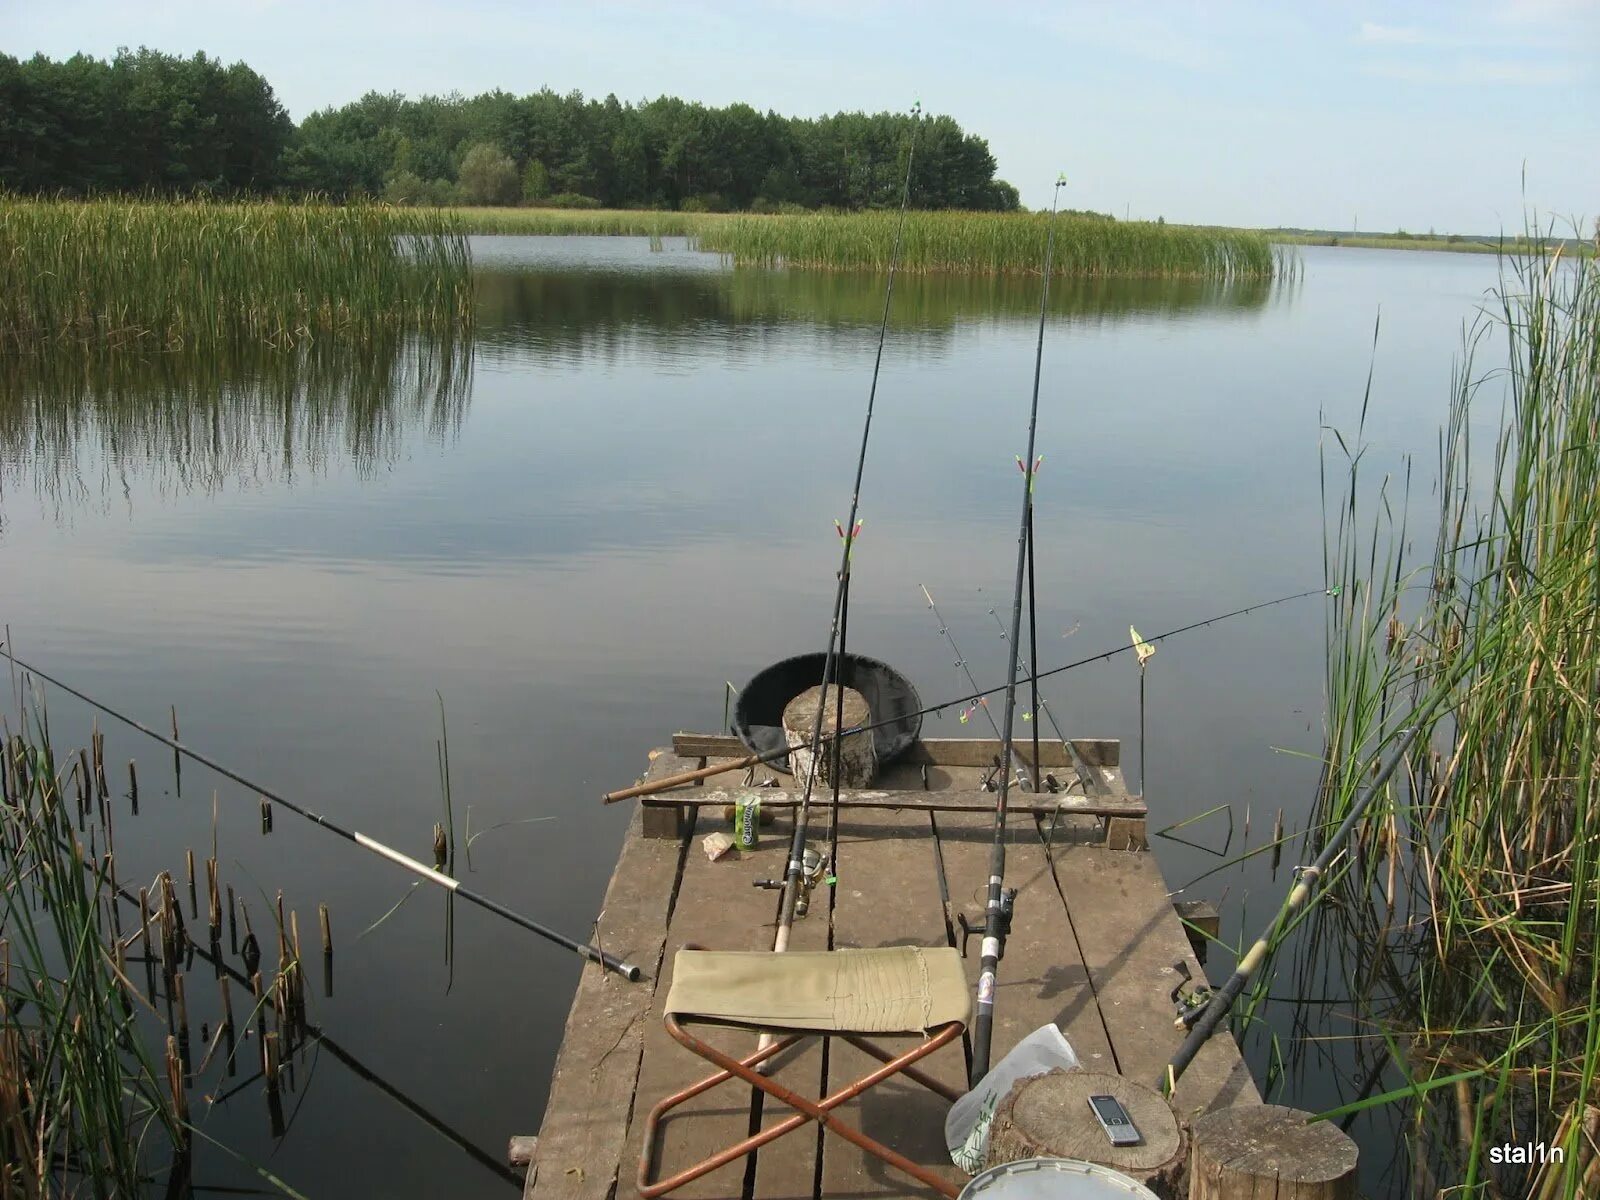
(77,427)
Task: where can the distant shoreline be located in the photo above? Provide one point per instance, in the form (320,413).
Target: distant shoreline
(1456,243)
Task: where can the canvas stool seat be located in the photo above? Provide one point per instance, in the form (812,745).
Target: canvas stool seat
(898,991)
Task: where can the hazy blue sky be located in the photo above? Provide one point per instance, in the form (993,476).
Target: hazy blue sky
(1315,114)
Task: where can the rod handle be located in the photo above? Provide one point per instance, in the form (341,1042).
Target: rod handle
(651,787)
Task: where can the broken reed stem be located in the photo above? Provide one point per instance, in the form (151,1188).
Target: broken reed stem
(180,1100)
(233,927)
(188,866)
(213,903)
(299,975)
(144,921)
(101,788)
(327,929)
(181,1003)
(133,786)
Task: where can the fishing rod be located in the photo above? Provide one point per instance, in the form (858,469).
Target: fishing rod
(795,872)
(1306,879)
(672,781)
(997,913)
(594,954)
(1023,778)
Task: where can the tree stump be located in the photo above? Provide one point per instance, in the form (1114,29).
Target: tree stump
(1266,1149)
(1048,1116)
(858,756)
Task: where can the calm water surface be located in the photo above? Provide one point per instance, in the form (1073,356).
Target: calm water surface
(621,496)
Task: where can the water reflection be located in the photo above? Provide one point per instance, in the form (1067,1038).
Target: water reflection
(576,303)
(75,428)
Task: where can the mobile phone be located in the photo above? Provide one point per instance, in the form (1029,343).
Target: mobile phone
(1114,1119)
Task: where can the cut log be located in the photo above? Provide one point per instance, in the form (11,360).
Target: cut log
(1048,1116)
(1269,1150)
(858,756)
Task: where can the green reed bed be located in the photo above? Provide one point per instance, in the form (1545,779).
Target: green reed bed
(106,1071)
(605,222)
(994,243)
(160,276)
(1481,873)
(979,243)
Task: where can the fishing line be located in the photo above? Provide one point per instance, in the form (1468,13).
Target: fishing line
(849,530)
(997,912)
(454,886)
(645,789)
(944,628)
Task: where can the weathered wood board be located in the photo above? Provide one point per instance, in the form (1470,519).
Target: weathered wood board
(1130,939)
(586,1117)
(950,752)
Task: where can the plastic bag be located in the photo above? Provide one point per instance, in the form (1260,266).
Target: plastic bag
(966,1127)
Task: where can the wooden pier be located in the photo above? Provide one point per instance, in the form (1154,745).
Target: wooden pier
(1093,950)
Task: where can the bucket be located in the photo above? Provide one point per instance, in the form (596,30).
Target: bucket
(758,715)
(1053,1179)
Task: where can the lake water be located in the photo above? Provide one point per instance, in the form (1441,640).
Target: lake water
(621,496)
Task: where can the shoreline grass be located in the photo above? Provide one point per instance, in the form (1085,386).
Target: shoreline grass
(1478,876)
(161,276)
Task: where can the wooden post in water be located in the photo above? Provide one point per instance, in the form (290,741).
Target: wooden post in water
(1268,1150)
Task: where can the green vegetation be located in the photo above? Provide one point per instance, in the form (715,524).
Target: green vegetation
(987,243)
(202,274)
(1480,872)
(150,122)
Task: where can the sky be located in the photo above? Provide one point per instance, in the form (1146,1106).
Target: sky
(1448,116)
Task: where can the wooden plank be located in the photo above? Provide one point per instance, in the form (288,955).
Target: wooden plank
(1130,939)
(944,752)
(888,895)
(1043,979)
(945,800)
(716,908)
(586,1117)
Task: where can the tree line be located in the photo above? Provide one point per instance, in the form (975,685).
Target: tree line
(149,122)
